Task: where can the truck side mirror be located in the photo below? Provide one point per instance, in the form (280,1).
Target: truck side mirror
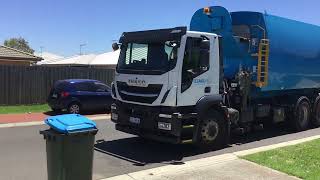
(115,46)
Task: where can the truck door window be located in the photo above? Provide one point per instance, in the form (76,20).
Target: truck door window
(195,61)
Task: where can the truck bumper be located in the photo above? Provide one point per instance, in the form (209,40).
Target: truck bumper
(153,122)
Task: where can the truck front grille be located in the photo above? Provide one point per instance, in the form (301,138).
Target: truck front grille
(139,94)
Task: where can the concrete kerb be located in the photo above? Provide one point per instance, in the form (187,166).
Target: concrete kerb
(205,162)
(36,123)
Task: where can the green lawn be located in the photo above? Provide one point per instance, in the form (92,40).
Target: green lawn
(302,160)
(24,109)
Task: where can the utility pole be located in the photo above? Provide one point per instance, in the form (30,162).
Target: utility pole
(81,45)
(41,48)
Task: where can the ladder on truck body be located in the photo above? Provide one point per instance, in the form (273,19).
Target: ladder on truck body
(263,63)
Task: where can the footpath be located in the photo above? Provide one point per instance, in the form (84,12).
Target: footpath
(28,119)
(227,166)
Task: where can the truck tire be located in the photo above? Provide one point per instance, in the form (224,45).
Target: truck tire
(212,131)
(301,119)
(316,113)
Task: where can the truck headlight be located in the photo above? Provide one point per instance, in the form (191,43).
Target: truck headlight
(113,107)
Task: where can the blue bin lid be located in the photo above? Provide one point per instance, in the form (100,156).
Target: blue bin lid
(70,123)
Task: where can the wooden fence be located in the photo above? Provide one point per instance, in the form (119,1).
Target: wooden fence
(31,84)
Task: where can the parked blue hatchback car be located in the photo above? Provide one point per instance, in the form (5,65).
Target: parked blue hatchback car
(79,95)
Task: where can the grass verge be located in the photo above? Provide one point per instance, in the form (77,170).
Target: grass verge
(24,109)
(302,160)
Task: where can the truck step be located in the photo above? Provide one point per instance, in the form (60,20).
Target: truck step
(239,131)
(187,126)
(187,141)
(258,127)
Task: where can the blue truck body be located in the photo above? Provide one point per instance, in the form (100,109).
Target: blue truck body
(294,58)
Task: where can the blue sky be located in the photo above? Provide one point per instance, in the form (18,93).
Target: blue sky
(60,26)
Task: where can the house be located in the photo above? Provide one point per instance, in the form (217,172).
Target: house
(10,56)
(106,60)
(48,57)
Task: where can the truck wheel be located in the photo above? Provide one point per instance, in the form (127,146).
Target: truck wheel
(302,114)
(212,131)
(74,108)
(316,113)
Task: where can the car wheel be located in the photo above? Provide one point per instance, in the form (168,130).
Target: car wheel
(74,108)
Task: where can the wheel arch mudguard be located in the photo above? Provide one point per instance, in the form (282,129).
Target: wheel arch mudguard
(205,102)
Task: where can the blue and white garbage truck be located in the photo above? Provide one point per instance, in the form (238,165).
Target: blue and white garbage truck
(229,73)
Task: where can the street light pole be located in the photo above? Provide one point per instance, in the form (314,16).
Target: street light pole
(81,45)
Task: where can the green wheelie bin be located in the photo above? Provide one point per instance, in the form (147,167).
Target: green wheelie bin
(70,146)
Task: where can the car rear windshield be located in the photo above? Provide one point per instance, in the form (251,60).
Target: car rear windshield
(62,86)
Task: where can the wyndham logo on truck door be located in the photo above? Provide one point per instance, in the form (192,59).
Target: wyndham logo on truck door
(200,81)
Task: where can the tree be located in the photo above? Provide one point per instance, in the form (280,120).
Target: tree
(19,44)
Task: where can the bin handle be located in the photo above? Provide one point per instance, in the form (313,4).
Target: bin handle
(83,131)
(75,125)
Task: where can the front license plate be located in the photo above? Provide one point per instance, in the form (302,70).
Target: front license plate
(134,120)
(164,126)
(54,95)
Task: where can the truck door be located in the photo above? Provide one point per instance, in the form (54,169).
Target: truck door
(200,70)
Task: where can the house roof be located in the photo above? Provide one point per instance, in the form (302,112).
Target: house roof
(10,53)
(109,58)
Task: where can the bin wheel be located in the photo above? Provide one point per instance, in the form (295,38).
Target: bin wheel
(316,113)
(301,114)
(212,131)
(74,108)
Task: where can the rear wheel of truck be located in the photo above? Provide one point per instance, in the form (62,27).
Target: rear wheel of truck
(301,114)
(316,113)
(212,131)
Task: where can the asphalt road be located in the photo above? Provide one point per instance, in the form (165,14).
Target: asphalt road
(23,156)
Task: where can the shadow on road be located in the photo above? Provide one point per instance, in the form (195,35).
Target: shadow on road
(142,152)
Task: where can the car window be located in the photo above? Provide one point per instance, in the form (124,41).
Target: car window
(60,85)
(82,87)
(100,87)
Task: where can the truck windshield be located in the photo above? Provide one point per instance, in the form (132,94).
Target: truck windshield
(149,58)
